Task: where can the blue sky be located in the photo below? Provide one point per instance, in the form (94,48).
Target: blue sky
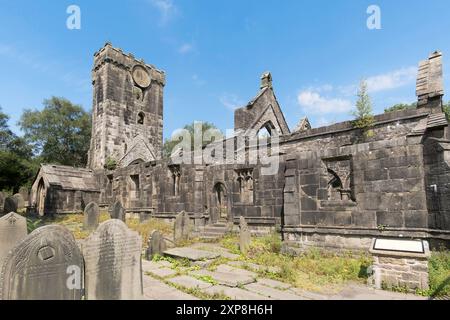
(214,52)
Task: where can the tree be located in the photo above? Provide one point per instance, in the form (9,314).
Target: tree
(363,113)
(169,144)
(401,106)
(60,133)
(17,167)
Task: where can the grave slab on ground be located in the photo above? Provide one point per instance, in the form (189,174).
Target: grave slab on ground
(152,265)
(157,290)
(272,293)
(274,284)
(191,254)
(235,293)
(189,282)
(226,278)
(163,272)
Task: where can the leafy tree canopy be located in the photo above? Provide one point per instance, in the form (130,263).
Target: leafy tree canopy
(169,144)
(60,133)
(16,164)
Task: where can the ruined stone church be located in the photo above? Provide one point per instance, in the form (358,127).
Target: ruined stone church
(335,186)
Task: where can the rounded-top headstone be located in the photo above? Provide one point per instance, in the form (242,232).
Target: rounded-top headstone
(91,216)
(10,205)
(25,193)
(46,265)
(112,256)
(117,211)
(13,228)
(156,245)
(20,201)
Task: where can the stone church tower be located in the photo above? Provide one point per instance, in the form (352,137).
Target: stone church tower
(127,116)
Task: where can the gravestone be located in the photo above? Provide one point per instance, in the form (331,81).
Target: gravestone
(20,201)
(25,193)
(244,235)
(10,205)
(181,227)
(13,228)
(117,211)
(46,265)
(113,269)
(91,216)
(156,245)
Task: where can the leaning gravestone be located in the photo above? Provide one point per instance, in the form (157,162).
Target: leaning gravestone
(46,265)
(91,216)
(24,192)
(112,256)
(181,227)
(244,235)
(13,228)
(156,245)
(10,205)
(117,211)
(20,201)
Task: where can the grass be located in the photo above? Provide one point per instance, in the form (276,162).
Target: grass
(146,228)
(313,270)
(439,274)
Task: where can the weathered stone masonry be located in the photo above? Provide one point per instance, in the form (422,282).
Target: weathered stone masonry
(335,186)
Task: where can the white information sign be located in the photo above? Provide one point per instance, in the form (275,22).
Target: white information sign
(399,245)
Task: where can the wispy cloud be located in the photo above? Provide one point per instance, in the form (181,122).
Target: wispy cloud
(385,81)
(186,48)
(334,100)
(167,10)
(231,101)
(312,101)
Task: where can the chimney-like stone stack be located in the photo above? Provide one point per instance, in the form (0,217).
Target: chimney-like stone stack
(429,86)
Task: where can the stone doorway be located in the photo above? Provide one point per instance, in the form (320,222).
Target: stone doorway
(40,198)
(222,203)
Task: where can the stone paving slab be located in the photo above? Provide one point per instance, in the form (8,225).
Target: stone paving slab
(356,292)
(157,290)
(253,266)
(226,278)
(151,265)
(272,293)
(224,268)
(191,254)
(274,284)
(189,282)
(163,272)
(235,293)
(212,247)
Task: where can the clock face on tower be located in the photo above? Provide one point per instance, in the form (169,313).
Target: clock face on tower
(141,76)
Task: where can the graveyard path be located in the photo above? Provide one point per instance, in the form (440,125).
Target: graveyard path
(168,280)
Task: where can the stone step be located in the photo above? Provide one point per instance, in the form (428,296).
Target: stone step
(212,234)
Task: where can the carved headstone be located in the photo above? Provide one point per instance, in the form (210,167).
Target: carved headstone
(244,235)
(46,265)
(117,211)
(25,193)
(20,201)
(156,245)
(112,256)
(13,228)
(10,205)
(181,227)
(91,216)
